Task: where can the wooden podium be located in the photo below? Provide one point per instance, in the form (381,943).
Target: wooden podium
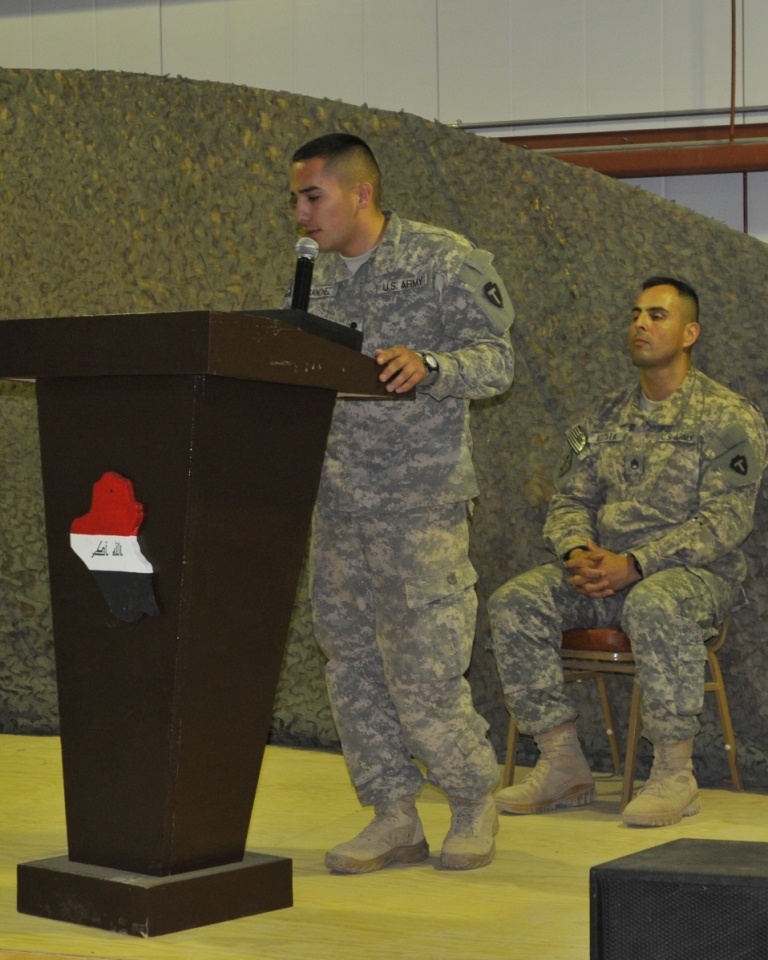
(219,421)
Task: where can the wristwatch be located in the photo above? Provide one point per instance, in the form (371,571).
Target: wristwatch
(431,365)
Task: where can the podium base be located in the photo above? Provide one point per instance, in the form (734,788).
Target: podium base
(144,906)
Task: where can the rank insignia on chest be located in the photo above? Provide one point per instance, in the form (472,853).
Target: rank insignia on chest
(634,467)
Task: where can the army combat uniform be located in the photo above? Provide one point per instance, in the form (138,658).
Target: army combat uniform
(674,484)
(393,590)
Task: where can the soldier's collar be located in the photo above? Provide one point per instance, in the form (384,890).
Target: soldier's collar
(669,411)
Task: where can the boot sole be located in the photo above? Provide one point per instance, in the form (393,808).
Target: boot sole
(578,796)
(413,854)
(661,820)
(466,861)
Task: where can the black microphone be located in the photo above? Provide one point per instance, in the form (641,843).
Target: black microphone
(306,251)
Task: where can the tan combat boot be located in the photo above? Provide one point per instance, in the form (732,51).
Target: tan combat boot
(561,778)
(395,835)
(671,791)
(469,843)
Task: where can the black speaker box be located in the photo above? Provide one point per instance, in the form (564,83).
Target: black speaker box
(684,900)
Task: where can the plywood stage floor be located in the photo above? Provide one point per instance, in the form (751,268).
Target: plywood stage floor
(532,901)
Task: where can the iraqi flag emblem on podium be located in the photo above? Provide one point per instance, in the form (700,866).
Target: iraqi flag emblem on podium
(106,540)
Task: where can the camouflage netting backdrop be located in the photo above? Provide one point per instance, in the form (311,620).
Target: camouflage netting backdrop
(127,193)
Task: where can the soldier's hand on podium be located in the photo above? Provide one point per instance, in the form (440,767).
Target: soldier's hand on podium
(403,369)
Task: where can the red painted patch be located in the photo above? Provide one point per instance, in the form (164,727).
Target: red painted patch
(114,509)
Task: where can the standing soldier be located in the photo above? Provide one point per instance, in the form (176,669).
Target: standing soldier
(392,587)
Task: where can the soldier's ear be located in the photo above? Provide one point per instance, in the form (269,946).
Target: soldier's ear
(691,333)
(364,195)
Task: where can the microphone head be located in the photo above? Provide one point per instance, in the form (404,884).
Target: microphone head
(307,248)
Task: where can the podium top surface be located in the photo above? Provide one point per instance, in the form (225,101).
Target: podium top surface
(243,346)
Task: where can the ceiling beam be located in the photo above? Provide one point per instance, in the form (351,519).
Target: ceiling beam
(661,152)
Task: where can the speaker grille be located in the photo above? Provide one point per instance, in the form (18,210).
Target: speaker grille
(682,921)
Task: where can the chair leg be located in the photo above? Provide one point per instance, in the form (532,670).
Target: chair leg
(633,738)
(717,686)
(508,775)
(610,726)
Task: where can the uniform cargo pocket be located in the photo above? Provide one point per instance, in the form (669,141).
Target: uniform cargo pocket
(441,584)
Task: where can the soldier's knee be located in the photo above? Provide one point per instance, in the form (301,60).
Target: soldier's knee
(514,596)
(647,599)
(497,602)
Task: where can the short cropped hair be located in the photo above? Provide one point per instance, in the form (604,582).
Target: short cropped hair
(344,151)
(683,288)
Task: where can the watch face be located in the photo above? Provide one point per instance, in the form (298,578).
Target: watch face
(430,363)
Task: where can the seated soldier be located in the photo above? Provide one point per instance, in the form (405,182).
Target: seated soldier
(653,501)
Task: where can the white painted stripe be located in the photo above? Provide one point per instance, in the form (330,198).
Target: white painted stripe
(105,552)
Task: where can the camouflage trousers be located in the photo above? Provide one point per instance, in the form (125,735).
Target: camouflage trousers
(667,616)
(394,608)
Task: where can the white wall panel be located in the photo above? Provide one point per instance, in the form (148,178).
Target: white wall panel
(400,56)
(63,35)
(757,206)
(261,44)
(548,51)
(719,196)
(195,39)
(755,64)
(329,49)
(128,36)
(697,55)
(473,60)
(16,33)
(624,56)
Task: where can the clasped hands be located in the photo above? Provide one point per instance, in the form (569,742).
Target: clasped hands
(599,573)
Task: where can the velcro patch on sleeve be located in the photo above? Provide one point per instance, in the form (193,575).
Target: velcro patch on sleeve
(735,456)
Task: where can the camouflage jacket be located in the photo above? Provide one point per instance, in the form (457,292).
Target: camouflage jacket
(674,485)
(430,290)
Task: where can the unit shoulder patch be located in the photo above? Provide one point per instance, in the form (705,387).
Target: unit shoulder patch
(735,456)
